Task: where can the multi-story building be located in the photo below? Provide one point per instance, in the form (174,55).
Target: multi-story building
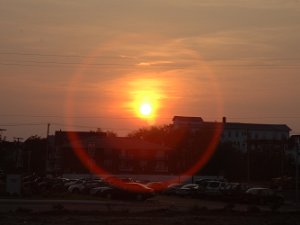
(240,135)
(294,148)
(124,155)
(114,155)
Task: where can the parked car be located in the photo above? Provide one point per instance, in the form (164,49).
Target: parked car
(2,175)
(70,182)
(158,187)
(129,191)
(234,192)
(204,181)
(98,191)
(214,188)
(84,186)
(260,195)
(113,179)
(172,188)
(58,184)
(187,190)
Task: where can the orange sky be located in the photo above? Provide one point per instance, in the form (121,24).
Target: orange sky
(88,64)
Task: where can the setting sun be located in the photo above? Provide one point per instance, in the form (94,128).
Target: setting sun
(145,109)
(145,97)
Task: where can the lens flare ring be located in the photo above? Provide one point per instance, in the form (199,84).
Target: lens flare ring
(145,110)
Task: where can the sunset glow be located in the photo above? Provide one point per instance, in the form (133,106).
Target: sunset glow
(145,98)
(188,58)
(146,109)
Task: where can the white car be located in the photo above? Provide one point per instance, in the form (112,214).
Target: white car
(187,190)
(83,186)
(261,195)
(214,187)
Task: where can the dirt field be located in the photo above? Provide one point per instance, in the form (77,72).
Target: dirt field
(157,211)
(149,218)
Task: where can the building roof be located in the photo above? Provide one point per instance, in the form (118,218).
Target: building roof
(102,141)
(198,121)
(255,126)
(187,118)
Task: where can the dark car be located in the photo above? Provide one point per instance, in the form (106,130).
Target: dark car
(158,187)
(234,192)
(263,196)
(84,186)
(129,191)
(187,190)
(172,189)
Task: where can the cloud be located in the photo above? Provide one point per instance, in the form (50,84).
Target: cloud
(153,63)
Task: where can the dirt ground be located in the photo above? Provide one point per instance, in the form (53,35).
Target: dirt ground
(158,211)
(161,217)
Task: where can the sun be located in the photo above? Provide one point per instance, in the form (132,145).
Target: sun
(145,109)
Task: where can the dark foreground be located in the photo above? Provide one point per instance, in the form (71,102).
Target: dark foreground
(158,217)
(161,210)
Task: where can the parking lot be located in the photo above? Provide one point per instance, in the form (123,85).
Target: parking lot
(46,194)
(157,210)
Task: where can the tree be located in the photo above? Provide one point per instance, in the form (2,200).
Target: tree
(8,156)
(227,161)
(189,148)
(35,154)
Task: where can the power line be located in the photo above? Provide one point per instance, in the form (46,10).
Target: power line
(61,55)
(122,57)
(21,124)
(33,63)
(73,116)
(67,63)
(90,65)
(89,127)
(267,117)
(125,118)
(62,125)
(129,66)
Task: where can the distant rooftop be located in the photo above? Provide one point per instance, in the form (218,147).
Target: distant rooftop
(195,121)
(187,119)
(102,141)
(128,143)
(257,126)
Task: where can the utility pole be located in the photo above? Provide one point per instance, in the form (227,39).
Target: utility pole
(297,166)
(283,159)
(1,130)
(48,130)
(248,156)
(18,139)
(47,148)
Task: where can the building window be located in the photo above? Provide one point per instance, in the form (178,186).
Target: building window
(161,166)
(237,134)
(91,149)
(229,134)
(125,165)
(283,137)
(107,163)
